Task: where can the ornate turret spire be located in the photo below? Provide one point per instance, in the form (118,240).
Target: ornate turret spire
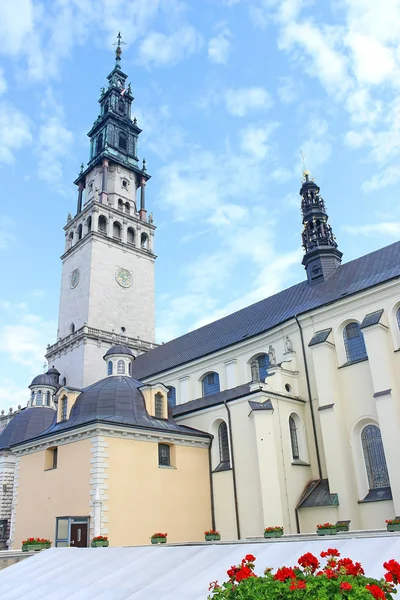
(118,50)
(321,256)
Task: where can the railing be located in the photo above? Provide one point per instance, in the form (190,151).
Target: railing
(115,338)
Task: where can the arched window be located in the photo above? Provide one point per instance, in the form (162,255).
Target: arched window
(109,367)
(48,398)
(122,142)
(121,106)
(71,238)
(158,405)
(116,230)
(127,207)
(39,398)
(64,381)
(120,204)
(89,224)
(99,143)
(210,384)
(374,456)
(144,241)
(80,229)
(354,342)
(223,443)
(130,236)
(120,367)
(130,369)
(263,364)
(398,317)
(171,395)
(32,397)
(72,328)
(102,228)
(293,438)
(64,408)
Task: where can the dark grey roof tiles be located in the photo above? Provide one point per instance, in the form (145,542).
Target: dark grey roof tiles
(320,336)
(119,349)
(117,400)
(316,494)
(43,379)
(350,278)
(27,424)
(267,405)
(212,400)
(372,319)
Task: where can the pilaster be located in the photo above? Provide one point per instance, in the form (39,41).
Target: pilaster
(99,486)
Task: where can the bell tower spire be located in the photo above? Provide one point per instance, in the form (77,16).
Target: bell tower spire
(321,256)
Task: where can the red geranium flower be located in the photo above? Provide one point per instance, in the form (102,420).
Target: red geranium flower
(309,562)
(376,591)
(285,573)
(346,587)
(330,552)
(250,558)
(298,584)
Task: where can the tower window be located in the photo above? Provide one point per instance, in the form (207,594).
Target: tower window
(72,328)
(164,455)
(120,204)
(32,397)
(158,405)
(122,142)
(144,241)
(99,143)
(89,224)
(223,443)
(102,228)
(127,208)
(130,236)
(125,184)
(48,398)
(80,229)
(120,367)
(121,106)
(39,398)
(106,108)
(109,367)
(293,438)
(374,456)
(64,408)
(262,363)
(354,342)
(130,369)
(116,230)
(64,381)
(171,395)
(210,384)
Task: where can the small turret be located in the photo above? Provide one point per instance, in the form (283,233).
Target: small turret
(119,360)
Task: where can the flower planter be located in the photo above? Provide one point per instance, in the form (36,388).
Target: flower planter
(212,537)
(32,547)
(341,528)
(273,534)
(327,531)
(393,527)
(158,540)
(100,544)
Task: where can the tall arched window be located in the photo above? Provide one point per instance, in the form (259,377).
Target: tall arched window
(120,367)
(121,106)
(171,395)
(102,228)
(293,438)
(48,398)
(120,204)
(72,328)
(122,142)
(223,443)
(99,144)
(374,456)
(398,317)
(64,408)
(89,224)
(39,398)
(109,367)
(263,364)
(158,405)
(127,208)
(210,384)
(354,342)
(144,241)
(117,230)
(130,238)
(80,231)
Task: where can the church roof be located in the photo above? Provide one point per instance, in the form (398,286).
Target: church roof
(27,424)
(348,279)
(43,379)
(119,349)
(117,400)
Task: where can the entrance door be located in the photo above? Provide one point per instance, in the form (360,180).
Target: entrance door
(79,533)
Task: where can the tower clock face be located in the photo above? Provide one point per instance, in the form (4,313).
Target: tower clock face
(124,278)
(74,279)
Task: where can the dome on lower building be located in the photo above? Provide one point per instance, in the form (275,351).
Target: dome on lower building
(27,424)
(119,349)
(43,379)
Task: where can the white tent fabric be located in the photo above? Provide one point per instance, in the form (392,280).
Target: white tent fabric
(170,572)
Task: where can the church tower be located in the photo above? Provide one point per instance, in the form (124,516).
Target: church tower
(107,284)
(321,256)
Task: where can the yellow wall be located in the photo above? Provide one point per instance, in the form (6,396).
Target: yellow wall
(45,495)
(145,499)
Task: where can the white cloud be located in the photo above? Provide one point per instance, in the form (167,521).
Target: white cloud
(241,101)
(219,47)
(253,139)
(24,342)
(16,22)
(372,61)
(288,90)
(15,132)
(12,396)
(391,228)
(3,82)
(159,49)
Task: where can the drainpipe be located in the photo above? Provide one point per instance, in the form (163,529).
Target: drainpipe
(211,487)
(233,472)
(310,398)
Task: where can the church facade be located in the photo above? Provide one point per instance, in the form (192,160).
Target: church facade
(286,412)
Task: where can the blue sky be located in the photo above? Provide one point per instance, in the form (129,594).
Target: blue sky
(227,93)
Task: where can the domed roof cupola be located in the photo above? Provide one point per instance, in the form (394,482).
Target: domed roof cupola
(27,424)
(43,388)
(119,360)
(54,374)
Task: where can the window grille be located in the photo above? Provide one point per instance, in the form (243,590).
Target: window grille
(172,396)
(354,342)
(223,443)
(263,364)
(48,398)
(374,456)
(164,455)
(158,406)
(39,398)
(109,367)
(293,438)
(211,384)
(398,317)
(64,408)
(121,367)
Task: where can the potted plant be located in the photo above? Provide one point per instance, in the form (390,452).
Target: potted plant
(46,544)
(100,541)
(159,538)
(212,535)
(336,578)
(342,526)
(35,544)
(326,529)
(273,532)
(393,524)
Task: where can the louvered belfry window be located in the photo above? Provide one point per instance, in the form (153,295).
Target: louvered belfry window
(374,456)
(354,342)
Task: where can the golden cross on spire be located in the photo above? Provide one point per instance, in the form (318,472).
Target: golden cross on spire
(118,50)
(119,40)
